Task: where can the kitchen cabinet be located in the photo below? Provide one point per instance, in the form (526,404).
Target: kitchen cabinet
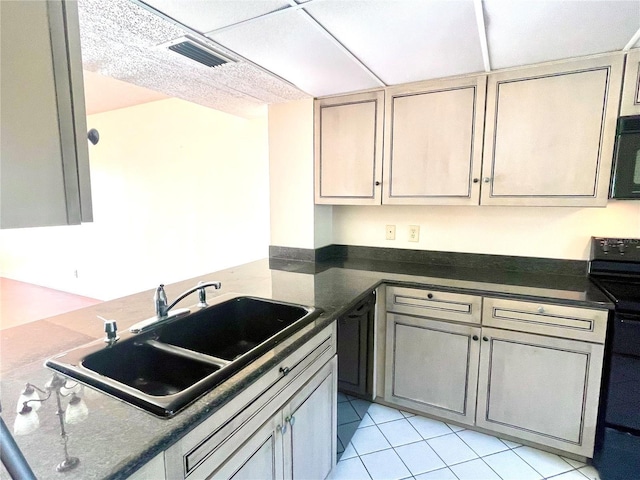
(541,389)
(433,366)
(348,149)
(422,343)
(630,103)
(281,426)
(524,369)
(541,135)
(549,133)
(294,443)
(44,154)
(433,142)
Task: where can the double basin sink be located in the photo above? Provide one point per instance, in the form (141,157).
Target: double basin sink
(170,365)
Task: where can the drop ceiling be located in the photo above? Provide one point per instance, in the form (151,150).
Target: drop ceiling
(285,50)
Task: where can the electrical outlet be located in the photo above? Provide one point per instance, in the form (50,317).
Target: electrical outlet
(391,232)
(414,233)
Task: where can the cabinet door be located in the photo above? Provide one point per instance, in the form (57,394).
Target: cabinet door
(432,366)
(44,157)
(540,389)
(310,445)
(260,457)
(348,149)
(550,133)
(433,142)
(630,104)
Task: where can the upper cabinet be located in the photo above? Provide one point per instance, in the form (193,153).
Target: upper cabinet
(433,142)
(630,104)
(533,136)
(44,155)
(549,133)
(348,149)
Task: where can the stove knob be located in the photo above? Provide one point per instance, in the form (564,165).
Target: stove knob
(605,248)
(621,248)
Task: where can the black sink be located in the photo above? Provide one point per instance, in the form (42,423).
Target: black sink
(233,328)
(173,363)
(137,365)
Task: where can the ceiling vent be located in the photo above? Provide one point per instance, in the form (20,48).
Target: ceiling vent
(199,52)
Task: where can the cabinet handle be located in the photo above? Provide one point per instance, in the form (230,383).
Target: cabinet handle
(485,339)
(285,371)
(377,183)
(486,179)
(476,180)
(290,420)
(540,309)
(430,296)
(475,338)
(282,429)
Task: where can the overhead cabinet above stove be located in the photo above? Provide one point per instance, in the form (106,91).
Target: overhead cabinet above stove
(548,134)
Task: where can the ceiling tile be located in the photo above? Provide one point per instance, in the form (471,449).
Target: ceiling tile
(290,46)
(406,40)
(120,40)
(205,16)
(524,32)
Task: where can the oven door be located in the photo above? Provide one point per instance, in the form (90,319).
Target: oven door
(625,180)
(617,453)
(623,395)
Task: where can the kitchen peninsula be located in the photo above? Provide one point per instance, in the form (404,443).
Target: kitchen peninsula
(117,439)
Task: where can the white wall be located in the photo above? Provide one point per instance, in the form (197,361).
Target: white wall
(179,190)
(295,220)
(551,232)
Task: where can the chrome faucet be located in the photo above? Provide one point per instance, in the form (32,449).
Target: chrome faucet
(163,309)
(160,297)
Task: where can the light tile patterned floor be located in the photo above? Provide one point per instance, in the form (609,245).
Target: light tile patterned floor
(377,442)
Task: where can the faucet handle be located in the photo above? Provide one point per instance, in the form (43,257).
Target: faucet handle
(202,295)
(160,301)
(111,330)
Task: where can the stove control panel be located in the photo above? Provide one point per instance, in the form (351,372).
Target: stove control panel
(617,249)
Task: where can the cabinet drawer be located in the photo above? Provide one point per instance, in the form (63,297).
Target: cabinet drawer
(204,447)
(546,319)
(434,304)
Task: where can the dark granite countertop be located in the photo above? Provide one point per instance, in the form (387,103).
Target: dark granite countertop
(117,439)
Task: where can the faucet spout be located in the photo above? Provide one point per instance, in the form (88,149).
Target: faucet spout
(163,309)
(200,287)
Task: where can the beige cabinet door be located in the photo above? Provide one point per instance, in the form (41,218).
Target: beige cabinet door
(311,418)
(260,457)
(43,149)
(433,142)
(549,133)
(540,389)
(630,103)
(432,366)
(348,149)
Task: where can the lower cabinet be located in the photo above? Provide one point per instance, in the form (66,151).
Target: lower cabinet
(540,386)
(433,366)
(540,389)
(296,442)
(281,427)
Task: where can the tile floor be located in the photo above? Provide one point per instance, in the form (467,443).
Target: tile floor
(377,442)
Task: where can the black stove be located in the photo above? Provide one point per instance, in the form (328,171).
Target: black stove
(615,268)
